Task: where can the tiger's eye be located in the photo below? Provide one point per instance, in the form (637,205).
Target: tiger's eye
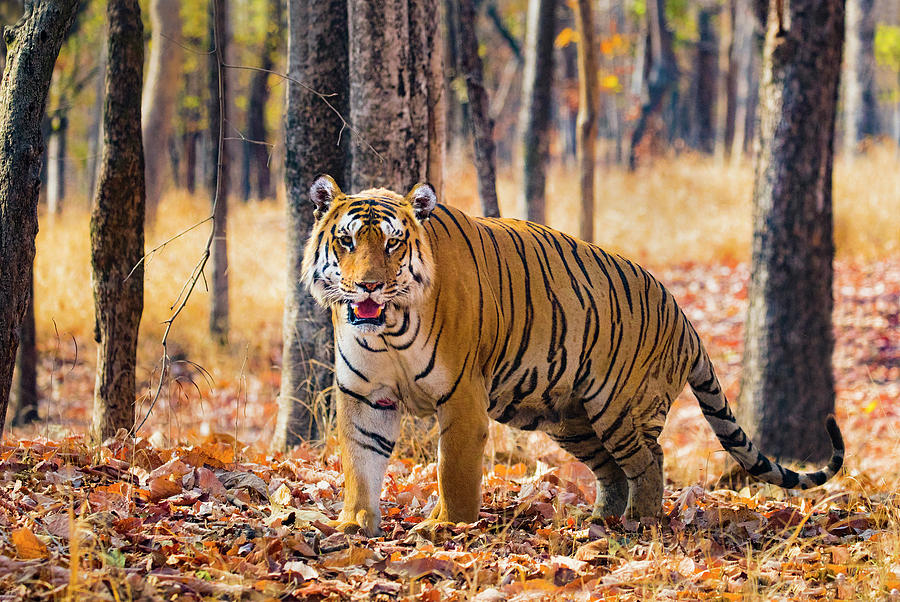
(391,243)
(347,241)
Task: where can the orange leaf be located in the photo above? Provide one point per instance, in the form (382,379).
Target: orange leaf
(27,544)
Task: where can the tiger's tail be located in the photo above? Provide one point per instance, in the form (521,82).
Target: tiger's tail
(715,409)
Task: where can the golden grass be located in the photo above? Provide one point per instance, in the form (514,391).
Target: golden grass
(686,209)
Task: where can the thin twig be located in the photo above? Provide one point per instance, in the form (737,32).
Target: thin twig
(201,264)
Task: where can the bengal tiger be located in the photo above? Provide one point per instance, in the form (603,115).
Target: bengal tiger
(472,318)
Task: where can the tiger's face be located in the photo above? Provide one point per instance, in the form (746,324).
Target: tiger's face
(368,252)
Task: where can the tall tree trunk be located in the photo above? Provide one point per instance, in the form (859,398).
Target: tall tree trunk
(537,93)
(750,24)
(56,162)
(396,94)
(860,114)
(26,366)
(158,102)
(117,225)
(315,143)
(483,125)
(730,83)
(706,82)
(787,387)
(587,114)
(258,160)
(220,161)
(662,75)
(33,45)
(454,29)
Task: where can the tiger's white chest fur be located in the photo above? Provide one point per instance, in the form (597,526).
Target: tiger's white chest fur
(399,365)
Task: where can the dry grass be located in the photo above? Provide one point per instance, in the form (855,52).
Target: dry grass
(690,209)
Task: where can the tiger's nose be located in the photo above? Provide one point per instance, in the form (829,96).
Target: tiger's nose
(370,286)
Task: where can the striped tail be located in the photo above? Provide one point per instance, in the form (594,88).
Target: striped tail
(715,409)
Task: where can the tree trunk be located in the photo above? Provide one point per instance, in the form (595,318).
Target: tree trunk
(158,103)
(706,82)
(315,143)
(95,136)
(537,93)
(455,118)
(56,162)
(259,170)
(26,367)
(587,114)
(730,83)
(662,75)
(483,125)
(117,225)
(787,387)
(33,44)
(396,94)
(220,161)
(860,114)
(750,23)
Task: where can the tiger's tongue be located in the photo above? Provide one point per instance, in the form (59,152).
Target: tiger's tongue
(367,309)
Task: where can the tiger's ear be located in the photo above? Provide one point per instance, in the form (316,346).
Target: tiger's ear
(322,192)
(423,200)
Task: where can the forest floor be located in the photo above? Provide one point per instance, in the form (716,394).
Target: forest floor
(197,507)
(199,510)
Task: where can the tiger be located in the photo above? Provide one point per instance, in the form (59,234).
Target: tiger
(474,318)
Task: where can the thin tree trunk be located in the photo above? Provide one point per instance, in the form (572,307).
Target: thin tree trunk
(534,119)
(117,225)
(587,114)
(96,131)
(33,44)
(26,367)
(259,170)
(860,115)
(56,163)
(158,103)
(707,69)
(787,386)
(220,161)
(730,83)
(662,75)
(396,94)
(483,125)
(315,143)
(454,29)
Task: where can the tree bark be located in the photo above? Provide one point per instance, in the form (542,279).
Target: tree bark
(26,367)
(586,134)
(662,74)
(537,93)
(483,125)
(860,114)
(787,386)
(730,83)
(396,94)
(315,143)
(32,47)
(220,160)
(117,225)
(158,102)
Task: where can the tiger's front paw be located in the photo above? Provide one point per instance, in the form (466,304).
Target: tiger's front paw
(362,521)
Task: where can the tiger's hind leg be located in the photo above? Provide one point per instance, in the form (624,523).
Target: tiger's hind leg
(639,457)
(612,484)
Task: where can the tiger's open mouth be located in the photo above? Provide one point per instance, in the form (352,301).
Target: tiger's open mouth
(365,312)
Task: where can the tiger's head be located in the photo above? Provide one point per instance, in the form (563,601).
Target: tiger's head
(368,251)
